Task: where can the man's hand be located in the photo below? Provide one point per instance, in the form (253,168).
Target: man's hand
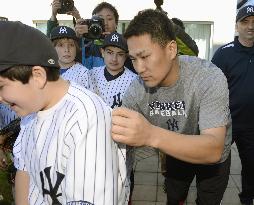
(130,127)
(80,28)
(55,6)
(74,13)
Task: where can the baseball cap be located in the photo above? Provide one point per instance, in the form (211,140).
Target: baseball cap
(63,32)
(115,39)
(25,45)
(245,12)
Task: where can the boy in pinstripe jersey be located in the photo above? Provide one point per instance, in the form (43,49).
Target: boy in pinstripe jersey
(64,153)
(111,80)
(65,42)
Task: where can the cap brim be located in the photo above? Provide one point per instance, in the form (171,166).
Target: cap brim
(4,67)
(104,46)
(240,19)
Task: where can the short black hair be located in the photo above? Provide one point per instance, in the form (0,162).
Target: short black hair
(154,23)
(24,72)
(105,5)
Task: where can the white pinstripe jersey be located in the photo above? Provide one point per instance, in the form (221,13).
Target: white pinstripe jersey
(76,73)
(68,152)
(111,91)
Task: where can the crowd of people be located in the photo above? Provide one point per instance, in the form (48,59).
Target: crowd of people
(84,105)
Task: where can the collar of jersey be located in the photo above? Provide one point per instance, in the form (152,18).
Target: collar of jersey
(110,77)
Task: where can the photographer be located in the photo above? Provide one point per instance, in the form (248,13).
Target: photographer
(91,55)
(56,7)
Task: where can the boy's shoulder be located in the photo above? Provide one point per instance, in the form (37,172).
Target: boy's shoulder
(76,69)
(97,71)
(78,65)
(84,98)
(77,97)
(79,93)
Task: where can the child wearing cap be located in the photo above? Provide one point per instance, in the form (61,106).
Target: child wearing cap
(64,152)
(112,80)
(66,44)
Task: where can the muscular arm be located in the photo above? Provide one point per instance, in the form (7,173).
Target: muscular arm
(21,188)
(202,149)
(130,127)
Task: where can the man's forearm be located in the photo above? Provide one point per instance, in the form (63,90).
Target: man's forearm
(198,149)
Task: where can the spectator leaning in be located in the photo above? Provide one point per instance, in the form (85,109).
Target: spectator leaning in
(236,60)
(179,105)
(66,44)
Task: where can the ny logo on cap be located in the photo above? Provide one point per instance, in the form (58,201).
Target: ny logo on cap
(63,30)
(250,9)
(51,61)
(114,38)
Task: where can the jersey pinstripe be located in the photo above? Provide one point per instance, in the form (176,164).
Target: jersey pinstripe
(110,91)
(77,73)
(68,152)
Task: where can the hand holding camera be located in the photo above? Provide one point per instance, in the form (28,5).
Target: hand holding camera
(93,28)
(64,7)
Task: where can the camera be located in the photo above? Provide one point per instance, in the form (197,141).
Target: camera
(3,18)
(66,5)
(96,27)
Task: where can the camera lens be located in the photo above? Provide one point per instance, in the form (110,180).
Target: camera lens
(95,31)
(68,4)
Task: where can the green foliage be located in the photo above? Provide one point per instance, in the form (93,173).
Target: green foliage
(5,189)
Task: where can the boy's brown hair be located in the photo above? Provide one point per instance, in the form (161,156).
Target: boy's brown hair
(23,73)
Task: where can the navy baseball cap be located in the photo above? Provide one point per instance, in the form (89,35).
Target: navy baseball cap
(63,32)
(115,39)
(245,12)
(21,44)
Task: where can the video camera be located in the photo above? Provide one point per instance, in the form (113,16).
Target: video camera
(96,27)
(66,5)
